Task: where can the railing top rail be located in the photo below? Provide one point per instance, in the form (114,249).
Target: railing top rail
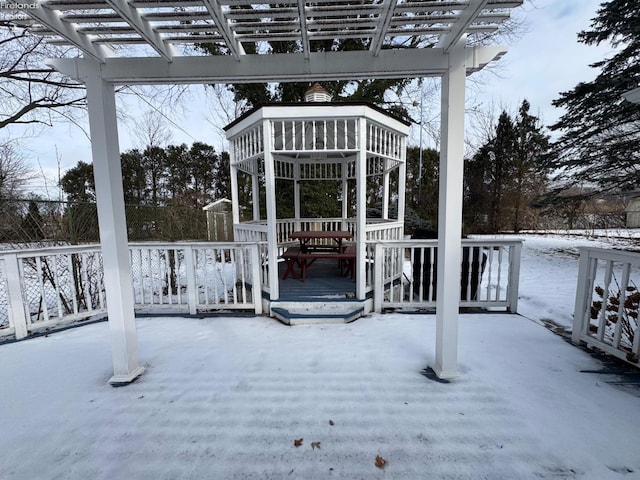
(52,250)
(63,249)
(197,244)
(433,242)
(612,255)
(383,225)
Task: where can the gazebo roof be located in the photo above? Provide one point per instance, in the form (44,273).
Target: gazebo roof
(316,105)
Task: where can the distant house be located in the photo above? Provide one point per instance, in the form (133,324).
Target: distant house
(633,213)
(219,221)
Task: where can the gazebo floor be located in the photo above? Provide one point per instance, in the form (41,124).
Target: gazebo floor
(323,283)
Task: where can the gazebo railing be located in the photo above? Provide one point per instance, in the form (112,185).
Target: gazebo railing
(376,229)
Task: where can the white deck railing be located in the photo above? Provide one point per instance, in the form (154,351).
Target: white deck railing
(608,302)
(406,274)
(41,288)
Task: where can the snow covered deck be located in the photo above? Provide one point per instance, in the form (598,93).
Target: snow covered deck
(225,398)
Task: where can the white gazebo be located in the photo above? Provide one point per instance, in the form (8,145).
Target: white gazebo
(318,141)
(142,42)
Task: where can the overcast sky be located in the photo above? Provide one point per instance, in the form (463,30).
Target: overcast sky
(546,60)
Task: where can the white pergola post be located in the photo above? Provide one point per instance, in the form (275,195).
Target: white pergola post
(107,172)
(450,212)
(272,238)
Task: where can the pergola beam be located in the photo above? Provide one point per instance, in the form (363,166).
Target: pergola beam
(319,66)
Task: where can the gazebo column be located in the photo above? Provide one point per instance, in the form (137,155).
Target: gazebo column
(235,198)
(361,209)
(402,184)
(345,193)
(296,194)
(107,173)
(272,238)
(255,192)
(450,212)
(385,190)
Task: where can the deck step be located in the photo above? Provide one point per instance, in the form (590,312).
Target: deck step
(293,313)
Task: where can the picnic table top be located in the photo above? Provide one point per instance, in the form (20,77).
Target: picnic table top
(321,234)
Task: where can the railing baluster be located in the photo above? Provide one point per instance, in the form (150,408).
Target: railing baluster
(84,262)
(617,334)
(603,311)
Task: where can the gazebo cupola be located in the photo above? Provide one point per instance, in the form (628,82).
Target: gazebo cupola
(317,93)
(357,146)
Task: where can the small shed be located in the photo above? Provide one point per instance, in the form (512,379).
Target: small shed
(219,220)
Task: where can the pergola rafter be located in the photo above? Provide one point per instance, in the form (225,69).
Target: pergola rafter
(215,10)
(304,34)
(164,26)
(50,20)
(143,28)
(461,26)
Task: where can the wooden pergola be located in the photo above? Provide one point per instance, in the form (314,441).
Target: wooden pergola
(149,42)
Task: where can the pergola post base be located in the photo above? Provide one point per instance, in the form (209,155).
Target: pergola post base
(122,380)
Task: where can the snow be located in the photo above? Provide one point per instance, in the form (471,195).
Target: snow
(225,398)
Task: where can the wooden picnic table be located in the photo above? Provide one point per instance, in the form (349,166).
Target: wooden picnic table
(311,241)
(311,249)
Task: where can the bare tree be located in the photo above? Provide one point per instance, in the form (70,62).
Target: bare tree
(14,176)
(14,173)
(30,91)
(152,129)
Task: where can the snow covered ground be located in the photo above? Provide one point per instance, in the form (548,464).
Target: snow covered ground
(549,270)
(226,398)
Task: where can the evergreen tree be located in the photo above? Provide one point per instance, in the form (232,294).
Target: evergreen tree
(133,177)
(506,174)
(78,183)
(600,132)
(32,223)
(421,194)
(529,173)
